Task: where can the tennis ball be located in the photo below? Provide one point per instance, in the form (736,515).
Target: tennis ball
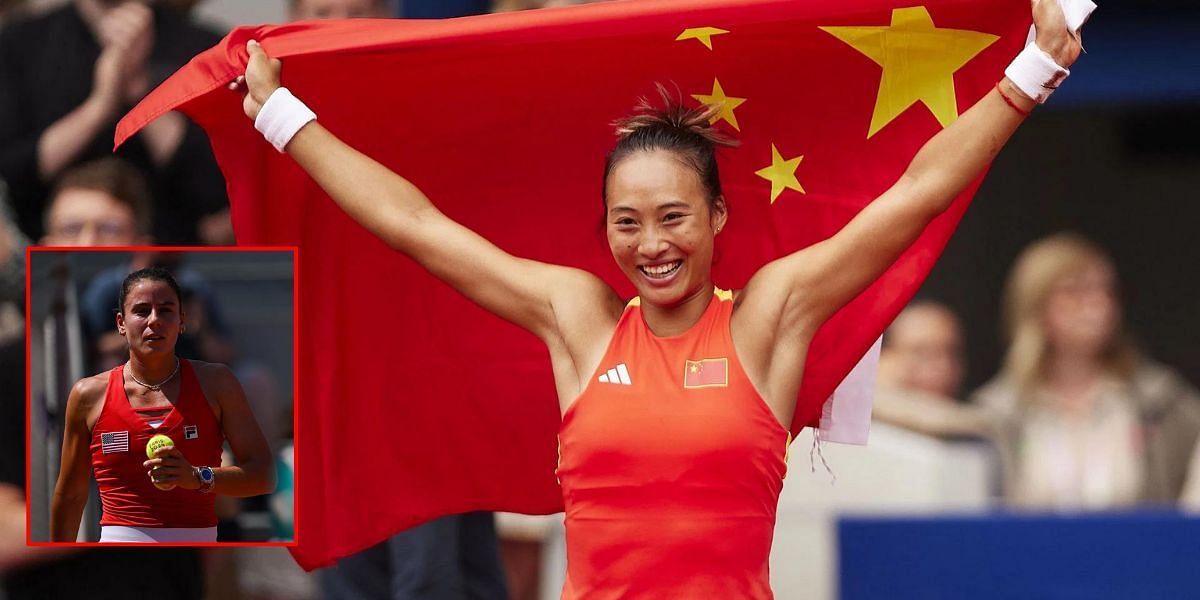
(156,442)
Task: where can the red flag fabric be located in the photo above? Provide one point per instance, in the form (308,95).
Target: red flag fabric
(414,403)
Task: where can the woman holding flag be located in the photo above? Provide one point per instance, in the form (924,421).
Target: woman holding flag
(152,430)
(675,404)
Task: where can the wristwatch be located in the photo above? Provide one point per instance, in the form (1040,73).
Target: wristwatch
(207,479)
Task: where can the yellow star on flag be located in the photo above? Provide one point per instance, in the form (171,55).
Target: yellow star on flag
(918,60)
(781,174)
(727,104)
(703,34)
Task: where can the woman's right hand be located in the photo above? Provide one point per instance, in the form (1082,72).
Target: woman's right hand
(261,79)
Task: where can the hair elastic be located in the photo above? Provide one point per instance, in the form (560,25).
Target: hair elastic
(1023,112)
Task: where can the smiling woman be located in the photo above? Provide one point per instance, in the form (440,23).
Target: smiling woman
(675,403)
(152,430)
(665,206)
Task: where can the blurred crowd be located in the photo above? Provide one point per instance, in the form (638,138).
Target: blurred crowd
(1080,419)
(1077,416)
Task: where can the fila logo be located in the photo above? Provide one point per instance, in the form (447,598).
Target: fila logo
(618,375)
(190,432)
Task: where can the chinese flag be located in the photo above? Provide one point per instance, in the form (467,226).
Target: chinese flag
(414,403)
(710,372)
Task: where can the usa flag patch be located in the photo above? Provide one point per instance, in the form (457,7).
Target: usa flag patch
(190,432)
(114,441)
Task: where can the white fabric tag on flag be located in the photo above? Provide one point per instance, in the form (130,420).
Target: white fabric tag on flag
(846,415)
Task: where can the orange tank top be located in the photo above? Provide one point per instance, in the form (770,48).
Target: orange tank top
(671,466)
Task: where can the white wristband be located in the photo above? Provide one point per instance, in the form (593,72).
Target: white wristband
(1035,73)
(281,116)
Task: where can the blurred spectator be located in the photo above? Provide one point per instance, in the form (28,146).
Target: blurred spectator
(1085,421)
(10,8)
(451,558)
(14,554)
(303,10)
(1190,499)
(12,277)
(511,5)
(101,203)
(923,351)
(12,376)
(920,374)
(66,76)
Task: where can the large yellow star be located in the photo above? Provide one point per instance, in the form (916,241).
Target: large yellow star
(918,60)
(703,34)
(727,104)
(781,174)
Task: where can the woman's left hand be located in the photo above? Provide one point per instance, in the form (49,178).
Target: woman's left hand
(1053,35)
(170,466)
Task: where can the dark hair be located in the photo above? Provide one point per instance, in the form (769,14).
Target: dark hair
(114,177)
(148,274)
(675,128)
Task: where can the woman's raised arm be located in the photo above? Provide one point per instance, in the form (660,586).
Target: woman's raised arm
(525,292)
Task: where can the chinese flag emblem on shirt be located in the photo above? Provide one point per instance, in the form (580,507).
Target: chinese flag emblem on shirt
(504,122)
(710,372)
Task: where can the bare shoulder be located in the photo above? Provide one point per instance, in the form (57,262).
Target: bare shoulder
(86,401)
(89,391)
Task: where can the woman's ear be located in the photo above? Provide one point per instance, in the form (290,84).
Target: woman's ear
(719,214)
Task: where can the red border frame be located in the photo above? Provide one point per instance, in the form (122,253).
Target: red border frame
(295,251)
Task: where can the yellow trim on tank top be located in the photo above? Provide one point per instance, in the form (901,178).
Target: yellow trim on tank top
(724,295)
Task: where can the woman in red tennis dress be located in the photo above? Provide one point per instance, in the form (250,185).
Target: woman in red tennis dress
(112,416)
(673,437)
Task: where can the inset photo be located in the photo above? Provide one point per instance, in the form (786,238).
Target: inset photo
(160,396)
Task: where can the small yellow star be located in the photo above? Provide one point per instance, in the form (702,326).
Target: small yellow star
(727,104)
(918,60)
(694,368)
(703,34)
(781,174)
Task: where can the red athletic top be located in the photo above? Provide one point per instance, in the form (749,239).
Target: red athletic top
(671,467)
(119,449)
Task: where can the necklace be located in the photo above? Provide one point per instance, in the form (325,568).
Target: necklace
(154,388)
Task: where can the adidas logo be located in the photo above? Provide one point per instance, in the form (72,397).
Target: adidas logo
(618,374)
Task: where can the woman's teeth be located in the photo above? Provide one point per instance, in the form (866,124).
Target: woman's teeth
(660,271)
